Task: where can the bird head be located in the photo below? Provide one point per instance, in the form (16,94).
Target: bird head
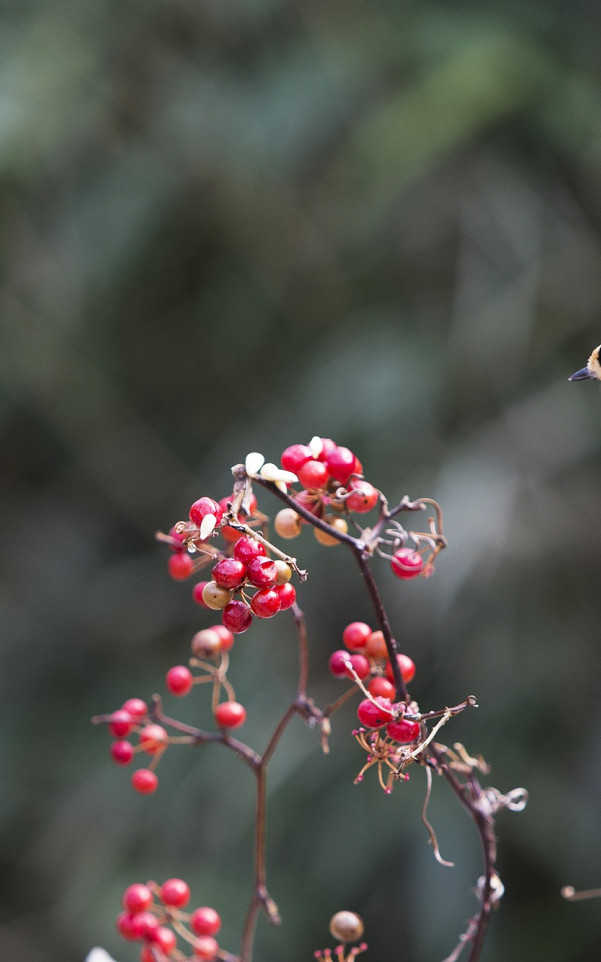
(592,369)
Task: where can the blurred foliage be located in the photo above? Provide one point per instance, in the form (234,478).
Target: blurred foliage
(227,227)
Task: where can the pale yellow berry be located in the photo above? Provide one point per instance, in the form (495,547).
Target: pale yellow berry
(205,643)
(287,523)
(284,572)
(339,524)
(346,926)
(214,596)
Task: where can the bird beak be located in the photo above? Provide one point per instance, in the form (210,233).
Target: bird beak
(582,375)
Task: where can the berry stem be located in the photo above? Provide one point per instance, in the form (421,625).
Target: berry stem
(470,795)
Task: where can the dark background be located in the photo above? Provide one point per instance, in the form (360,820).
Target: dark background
(228,226)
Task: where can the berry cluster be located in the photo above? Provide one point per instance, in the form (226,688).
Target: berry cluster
(154,915)
(364,656)
(245,581)
(210,654)
(333,485)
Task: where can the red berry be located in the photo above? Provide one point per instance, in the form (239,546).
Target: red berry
(403,730)
(381,686)
(310,502)
(121,723)
(287,593)
(122,752)
(144,781)
(205,948)
(247,549)
(327,446)
(204,506)
(406,563)
(165,938)
(375,646)
(230,714)
(313,474)
(175,892)
(360,665)
(266,603)
(374,715)
(363,496)
(295,456)
(152,738)
(237,617)
(262,572)
(205,921)
(356,635)
(341,464)
(179,680)
(407,666)
(197,591)
(229,572)
(137,898)
(180,566)
(136,707)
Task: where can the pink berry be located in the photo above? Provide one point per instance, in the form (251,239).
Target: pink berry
(356,634)
(128,927)
(295,456)
(229,572)
(204,506)
(122,752)
(137,898)
(153,738)
(165,938)
(175,892)
(403,730)
(287,593)
(374,715)
(338,662)
(205,948)
(363,496)
(136,707)
(226,637)
(266,602)
(205,921)
(341,464)
(313,474)
(406,563)
(180,566)
(144,781)
(230,714)
(247,549)
(121,723)
(262,572)
(179,680)
(237,617)
(407,666)
(138,925)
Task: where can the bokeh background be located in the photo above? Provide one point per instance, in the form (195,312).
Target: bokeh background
(228,226)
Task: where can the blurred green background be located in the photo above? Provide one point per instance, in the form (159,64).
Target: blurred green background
(228,226)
